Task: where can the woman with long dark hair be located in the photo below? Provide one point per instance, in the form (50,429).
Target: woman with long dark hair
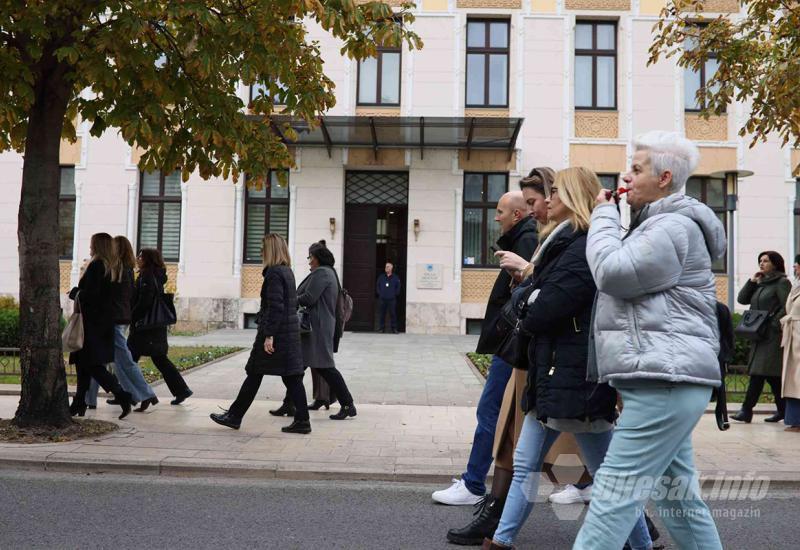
(94,297)
(152,342)
(318,294)
(126,369)
(767,290)
(276,350)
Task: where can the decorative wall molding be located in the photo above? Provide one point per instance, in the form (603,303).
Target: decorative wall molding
(599,5)
(721,6)
(494,4)
(378,111)
(722,288)
(610,159)
(476,285)
(487,113)
(64,276)
(486,161)
(700,129)
(597,124)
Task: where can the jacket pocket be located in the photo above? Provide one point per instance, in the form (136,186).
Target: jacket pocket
(634,322)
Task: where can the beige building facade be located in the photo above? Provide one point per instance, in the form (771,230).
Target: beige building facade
(408,164)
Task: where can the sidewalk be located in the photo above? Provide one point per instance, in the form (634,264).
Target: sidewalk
(416,415)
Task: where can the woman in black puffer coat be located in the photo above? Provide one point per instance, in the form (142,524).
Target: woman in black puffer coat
(557,319)
(276,351)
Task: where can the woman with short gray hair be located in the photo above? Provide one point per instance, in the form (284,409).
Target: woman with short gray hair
(656,341)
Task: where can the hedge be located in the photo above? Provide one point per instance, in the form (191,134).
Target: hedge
(9,328)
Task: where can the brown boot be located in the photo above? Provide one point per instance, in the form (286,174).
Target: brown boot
(489,544)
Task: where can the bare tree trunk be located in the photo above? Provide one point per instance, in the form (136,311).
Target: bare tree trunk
(44,399)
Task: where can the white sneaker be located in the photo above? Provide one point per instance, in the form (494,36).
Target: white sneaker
(456,495)
(572,495)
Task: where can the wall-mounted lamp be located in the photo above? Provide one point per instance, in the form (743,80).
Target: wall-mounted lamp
(332,222)
(417,229)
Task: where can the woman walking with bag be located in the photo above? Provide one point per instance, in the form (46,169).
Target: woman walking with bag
(318,294)
(93,296)
(767,291)
(557,318)
(126,369)
(276,350)
(152,341)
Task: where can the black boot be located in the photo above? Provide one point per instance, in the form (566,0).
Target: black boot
(287,409)
(125,401)
(488,511)
(77,408)
(298,427)
(344,412)
(318,404)
(743,416)
(227,419)
(777,417)
(654,534)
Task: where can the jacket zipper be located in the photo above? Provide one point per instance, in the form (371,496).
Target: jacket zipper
(552,363)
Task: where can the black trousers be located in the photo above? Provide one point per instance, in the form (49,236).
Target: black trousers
(756,386)
(338,386)
(172,377)
(295,392)
(85,373)
(391,307)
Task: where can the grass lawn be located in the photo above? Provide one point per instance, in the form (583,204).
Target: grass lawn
(736,383)
(184,358)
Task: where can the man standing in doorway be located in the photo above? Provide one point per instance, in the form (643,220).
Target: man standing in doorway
(388,289)
(519,236)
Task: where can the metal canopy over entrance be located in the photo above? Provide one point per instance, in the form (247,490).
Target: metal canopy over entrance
(468,133)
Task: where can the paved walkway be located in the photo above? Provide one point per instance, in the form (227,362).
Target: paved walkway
(379,368)
(415,397)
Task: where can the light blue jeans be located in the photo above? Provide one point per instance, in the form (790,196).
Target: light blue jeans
(127,371)
(651,458)
(535,441)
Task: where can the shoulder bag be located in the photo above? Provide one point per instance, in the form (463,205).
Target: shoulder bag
(162,312)
(72,337)
(755,324)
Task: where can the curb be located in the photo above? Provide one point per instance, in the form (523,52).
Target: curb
(243,469)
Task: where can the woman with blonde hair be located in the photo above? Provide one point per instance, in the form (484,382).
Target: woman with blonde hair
(127,370)
(94,296)
(557,319)
(276,350)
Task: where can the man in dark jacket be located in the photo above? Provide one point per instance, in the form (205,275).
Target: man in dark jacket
(519,236)
(388,289)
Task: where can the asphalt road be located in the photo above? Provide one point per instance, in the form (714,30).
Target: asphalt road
(55,511)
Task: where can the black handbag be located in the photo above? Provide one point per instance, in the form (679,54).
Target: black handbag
(162,311)
(754,324)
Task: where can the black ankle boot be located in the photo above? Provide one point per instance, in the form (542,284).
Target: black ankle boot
(287,409)
(77,409)
(743,416)
(227,419)
(344,412)
(488,511)
(125,400)
(298,427)
(777,417)
(318,404)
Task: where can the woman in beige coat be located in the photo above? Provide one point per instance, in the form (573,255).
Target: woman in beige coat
(791,354)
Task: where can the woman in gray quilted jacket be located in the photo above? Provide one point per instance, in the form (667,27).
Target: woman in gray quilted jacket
(656,341)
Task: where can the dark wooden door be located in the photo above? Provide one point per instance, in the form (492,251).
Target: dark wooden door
(359,263)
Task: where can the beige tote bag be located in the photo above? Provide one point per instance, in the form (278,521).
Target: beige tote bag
(72,337)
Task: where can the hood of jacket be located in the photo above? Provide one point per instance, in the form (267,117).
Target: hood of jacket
(702,215)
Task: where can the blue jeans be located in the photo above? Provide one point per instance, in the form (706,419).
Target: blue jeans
(127,370)
(480,457)
(651,458)
(535,441)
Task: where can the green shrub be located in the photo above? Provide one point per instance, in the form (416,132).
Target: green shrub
(9,328)
(741,353)
(8,302)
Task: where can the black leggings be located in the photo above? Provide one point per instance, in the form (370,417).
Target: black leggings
(756,386)
(295,392)
(85,373)
(172,377)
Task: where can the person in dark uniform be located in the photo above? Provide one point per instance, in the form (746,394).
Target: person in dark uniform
(388,289)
